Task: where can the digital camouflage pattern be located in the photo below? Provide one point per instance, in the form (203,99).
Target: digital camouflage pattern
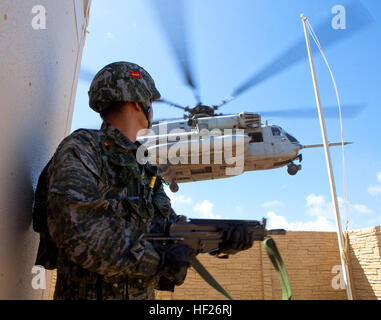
(121,81)
(97,213)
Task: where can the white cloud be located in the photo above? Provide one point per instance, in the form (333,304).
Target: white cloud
(353,208)
(274,203)
(201,210)
(276,222)
(180,199)
(204,210)
(361,208)
(315,200)
(110,35)
(177,199)
(318,206)
(375,190)
(279,222)
(322,212)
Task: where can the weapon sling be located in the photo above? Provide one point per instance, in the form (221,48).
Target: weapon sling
(201,270)
(275,258)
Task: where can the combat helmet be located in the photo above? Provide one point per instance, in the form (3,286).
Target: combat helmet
(122,82)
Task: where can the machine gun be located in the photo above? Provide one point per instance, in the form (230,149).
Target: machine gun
(205,235)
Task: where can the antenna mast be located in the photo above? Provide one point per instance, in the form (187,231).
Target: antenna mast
(344,265)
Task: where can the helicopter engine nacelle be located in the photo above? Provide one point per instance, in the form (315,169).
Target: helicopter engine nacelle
(242,120)
(249,119)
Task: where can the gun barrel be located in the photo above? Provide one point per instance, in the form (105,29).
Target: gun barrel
(164,238)
(274,232)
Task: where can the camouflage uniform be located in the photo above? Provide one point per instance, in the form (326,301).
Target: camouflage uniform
(97,208)
(97,211)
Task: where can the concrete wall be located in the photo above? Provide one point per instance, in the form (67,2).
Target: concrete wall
(40,58)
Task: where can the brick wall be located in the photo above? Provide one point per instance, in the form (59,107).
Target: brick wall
(365,262)
(310,258)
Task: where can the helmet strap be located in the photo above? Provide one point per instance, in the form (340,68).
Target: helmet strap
(147,111)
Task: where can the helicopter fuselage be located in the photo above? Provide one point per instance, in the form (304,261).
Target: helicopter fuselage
(219,147)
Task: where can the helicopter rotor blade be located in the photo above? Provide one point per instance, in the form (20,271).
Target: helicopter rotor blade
(170,103)
(357,17)
(173,21)
(347,111)
(156,121)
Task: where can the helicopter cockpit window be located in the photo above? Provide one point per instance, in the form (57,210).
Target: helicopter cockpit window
(276,131)
(291,138)
(256,137)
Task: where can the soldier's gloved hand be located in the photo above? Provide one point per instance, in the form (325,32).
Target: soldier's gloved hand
(158,225)
(180,219)
(237,239)
(175,261)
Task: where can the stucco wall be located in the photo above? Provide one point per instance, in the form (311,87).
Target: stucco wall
(41,48)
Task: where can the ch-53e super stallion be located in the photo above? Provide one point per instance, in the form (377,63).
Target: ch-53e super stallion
(258,146)
(263,146)
(200,149)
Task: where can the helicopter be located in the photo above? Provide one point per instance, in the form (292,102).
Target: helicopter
(264,146)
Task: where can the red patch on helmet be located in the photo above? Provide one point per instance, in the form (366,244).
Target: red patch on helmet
(135,74)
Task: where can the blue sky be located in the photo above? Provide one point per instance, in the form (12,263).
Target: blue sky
(229,41)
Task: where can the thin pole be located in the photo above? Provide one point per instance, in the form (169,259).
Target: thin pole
(340,237)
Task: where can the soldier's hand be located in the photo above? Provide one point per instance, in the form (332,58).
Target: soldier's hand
(158,225)
(238,239)
(175,261)
(181,219)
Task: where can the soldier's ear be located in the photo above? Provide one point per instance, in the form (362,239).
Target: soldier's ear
(137,106)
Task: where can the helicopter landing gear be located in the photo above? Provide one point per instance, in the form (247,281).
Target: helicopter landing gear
(174,187)
(293,169)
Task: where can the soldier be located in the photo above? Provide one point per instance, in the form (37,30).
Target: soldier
(92,207)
